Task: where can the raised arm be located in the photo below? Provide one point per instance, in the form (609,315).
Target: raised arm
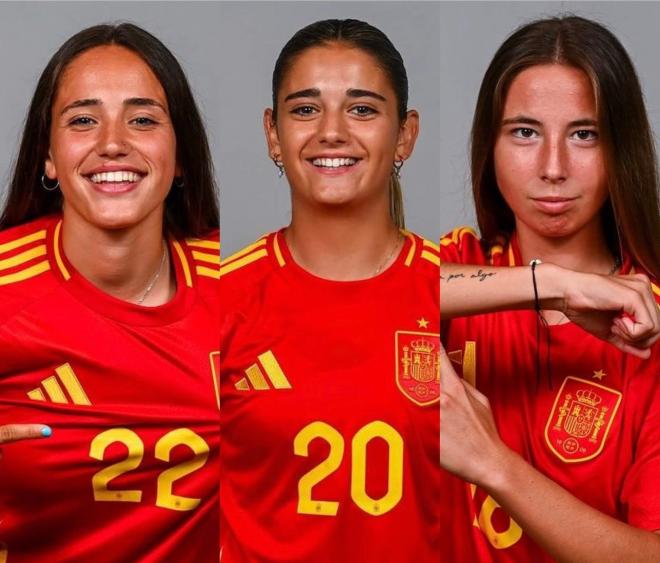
(618,309)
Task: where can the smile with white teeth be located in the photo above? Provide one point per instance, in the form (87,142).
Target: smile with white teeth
(333,162)
(118,177)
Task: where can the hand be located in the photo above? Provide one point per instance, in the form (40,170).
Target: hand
(470,445)
(14,432)
(618,309)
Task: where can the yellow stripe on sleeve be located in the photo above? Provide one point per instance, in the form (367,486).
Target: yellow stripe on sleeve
(207,272)
(431,245)
(236,264)
(27,239)
(23,257)
(204,257)
(208,244)
(247,250)
(434,259)
(28,273)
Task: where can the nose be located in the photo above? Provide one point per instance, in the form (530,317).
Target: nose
(112,140)
(553,167)
(333,128)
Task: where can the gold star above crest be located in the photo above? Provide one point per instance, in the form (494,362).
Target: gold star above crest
(599,375)
(423,323)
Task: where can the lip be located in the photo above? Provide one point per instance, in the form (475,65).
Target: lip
(114,167)
(114,188)
(554,205)
(339,171)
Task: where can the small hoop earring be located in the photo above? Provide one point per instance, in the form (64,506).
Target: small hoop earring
(279,164)
(178,182)
(46,186)
(397,166)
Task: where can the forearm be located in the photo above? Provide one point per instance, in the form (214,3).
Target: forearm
(567,528)
(469,290)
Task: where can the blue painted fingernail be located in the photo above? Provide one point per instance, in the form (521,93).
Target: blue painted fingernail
(46,431)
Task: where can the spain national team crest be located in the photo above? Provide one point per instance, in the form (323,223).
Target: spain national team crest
(418,366)
(580,419)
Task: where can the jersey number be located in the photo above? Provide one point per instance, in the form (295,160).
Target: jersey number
(375,429)
(165,498)
(484,521)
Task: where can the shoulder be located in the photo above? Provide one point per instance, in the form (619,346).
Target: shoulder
(204,253)
(462,245)
(422,252)
(24,263)
(245,270)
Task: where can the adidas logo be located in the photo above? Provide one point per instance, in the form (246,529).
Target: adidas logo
(263,375)
(55,385)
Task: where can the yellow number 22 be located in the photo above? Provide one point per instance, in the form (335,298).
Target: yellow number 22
(165,498)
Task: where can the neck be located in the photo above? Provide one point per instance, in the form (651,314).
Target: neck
(341,244)
(122,262)
(584,251)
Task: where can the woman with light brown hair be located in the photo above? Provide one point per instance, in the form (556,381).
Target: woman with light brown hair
(557,431)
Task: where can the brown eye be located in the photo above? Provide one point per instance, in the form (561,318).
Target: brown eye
(524,133)
(586,135)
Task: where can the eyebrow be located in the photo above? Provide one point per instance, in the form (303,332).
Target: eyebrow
(522,119)
(87,102)
(351,92)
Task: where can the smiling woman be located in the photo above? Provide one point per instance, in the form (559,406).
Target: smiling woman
(329,376)
(108,313)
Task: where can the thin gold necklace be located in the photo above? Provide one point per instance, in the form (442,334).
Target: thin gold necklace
(154,278)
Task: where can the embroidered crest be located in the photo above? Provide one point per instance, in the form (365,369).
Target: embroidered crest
(580,419)
(418,366)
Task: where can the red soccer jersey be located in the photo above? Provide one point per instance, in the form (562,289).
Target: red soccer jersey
(329,417)
(590,422)
(131,470)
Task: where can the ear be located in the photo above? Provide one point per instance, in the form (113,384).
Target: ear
(49,167)
(407,135)
(272,138)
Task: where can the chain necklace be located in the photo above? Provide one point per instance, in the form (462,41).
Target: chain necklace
(155,277)
(399,238)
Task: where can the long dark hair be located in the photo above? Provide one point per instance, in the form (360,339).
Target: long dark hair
(631,215)
(372,41)
(191,210)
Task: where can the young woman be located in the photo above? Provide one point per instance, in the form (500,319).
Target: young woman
(108,312)
(329,377)
(561,441)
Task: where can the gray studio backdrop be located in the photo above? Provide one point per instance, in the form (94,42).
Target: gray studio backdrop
(228,50)
(471,32)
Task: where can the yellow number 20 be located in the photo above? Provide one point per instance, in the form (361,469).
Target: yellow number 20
(165,498)
(375,429)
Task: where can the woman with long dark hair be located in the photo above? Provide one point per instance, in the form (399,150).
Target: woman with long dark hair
(557,432)
(108,312)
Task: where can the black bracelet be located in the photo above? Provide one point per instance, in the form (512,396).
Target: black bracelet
(537,304)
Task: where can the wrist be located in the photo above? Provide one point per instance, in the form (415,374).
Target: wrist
(551,282)
(500,476)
